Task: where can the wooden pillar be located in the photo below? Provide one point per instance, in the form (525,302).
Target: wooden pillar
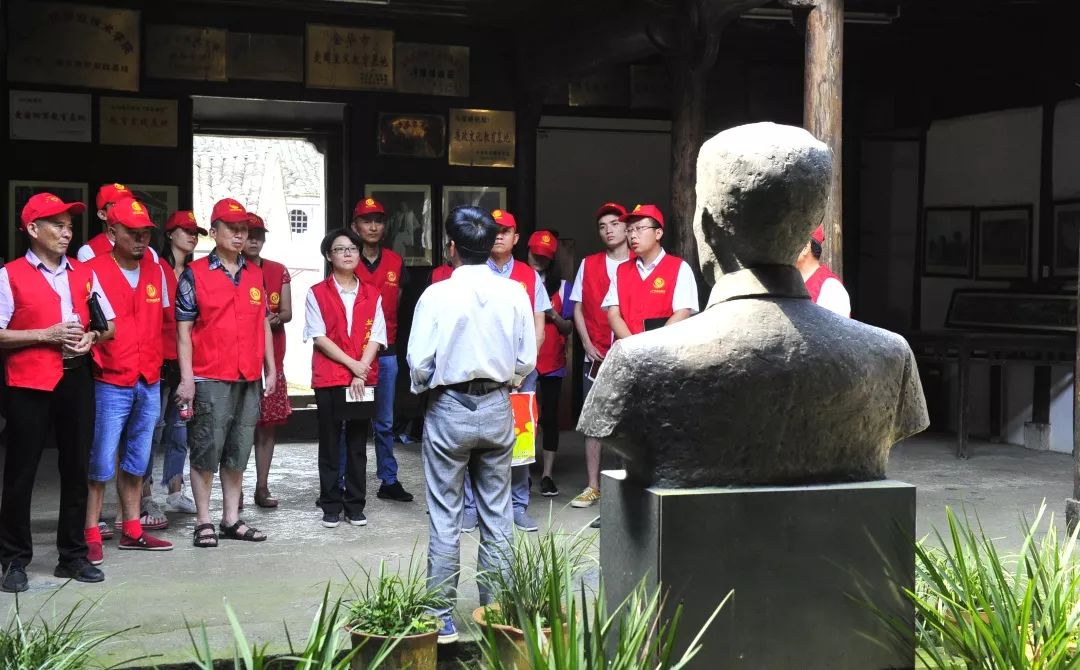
(823,88)
(687,135)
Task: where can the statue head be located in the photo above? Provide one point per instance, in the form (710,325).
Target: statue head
(761,191)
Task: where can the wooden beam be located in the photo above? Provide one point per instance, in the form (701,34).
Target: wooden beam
(822,110)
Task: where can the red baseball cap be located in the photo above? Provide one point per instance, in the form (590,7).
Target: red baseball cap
(611,208)
(44,205)
(111,193)
(643,211)
(229,211)
(129,213)
(368,206)
(543,243)
(504,218)
(185,220)
(819,235)
(256,221)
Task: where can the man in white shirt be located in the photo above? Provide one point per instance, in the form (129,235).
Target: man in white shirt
(824,287)
(473,337)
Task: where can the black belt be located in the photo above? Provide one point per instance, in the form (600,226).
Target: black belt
(476,386)
(75,362)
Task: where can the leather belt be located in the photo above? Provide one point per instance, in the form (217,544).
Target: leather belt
(476,386)
(75,362)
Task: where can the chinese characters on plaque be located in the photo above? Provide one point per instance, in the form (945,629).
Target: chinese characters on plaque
(56,117)
(432,69)
(265,57)
(350,58)
(482,137)
(185,52)
(74,45)
(138,121)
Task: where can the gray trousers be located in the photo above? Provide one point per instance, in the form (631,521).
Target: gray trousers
(481,441)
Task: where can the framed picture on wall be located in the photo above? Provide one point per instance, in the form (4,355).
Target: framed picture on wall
(1066,256)
(19,192)
(947,235)
(1003,242)
(487,198)
(415,135)
(408,220)
(161,201)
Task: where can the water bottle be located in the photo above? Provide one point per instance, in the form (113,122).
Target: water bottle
(186,413)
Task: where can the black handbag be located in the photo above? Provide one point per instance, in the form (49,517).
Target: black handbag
(98,321)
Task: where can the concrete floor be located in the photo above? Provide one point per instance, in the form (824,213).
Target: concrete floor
(281,581)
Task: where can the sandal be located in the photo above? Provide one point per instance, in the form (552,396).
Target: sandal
(263,499)
(204,540)
(233,532)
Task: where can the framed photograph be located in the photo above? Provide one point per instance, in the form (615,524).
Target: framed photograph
(487,198)
(947,235)
(1066,238)
(414,135)
(1003,236)
(160,201)
(408,220)
(20,191)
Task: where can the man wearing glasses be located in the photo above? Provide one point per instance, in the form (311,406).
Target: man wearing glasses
(657,289)
(383,269)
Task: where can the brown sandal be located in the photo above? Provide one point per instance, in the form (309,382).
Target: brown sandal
(263,499)
(205,540)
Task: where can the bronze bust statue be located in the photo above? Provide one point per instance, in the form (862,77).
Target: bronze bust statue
(763,386)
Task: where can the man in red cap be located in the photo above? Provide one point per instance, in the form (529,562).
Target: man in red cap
(127,376)
(502,263)
(224,346)
(824,287)
(385,270)
(657,288)
(99,244)
(44,320)
(594,277)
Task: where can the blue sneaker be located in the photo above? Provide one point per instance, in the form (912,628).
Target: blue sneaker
(448,633)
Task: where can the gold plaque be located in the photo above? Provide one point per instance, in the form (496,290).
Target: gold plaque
(482,138)
(351,58)
(266,57)
(432,69)
(73,45)
(138,121)
(185,52)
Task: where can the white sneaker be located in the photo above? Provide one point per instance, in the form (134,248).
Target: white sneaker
(178,502)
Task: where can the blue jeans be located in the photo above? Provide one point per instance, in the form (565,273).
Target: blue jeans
(170,435)
(456,441)
(519,476)
(128,415)
(383,424)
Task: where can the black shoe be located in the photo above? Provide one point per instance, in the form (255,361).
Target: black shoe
(14,579)
(80,570)
(357,519)
(595,523)
(548,488)
(394,492)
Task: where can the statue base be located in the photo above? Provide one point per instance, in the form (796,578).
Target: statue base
(808,565)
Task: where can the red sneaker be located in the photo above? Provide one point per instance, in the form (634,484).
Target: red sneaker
(145,543)
(95,553)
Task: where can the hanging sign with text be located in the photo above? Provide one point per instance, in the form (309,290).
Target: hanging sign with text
(482,138)
(138,121)
(265,57)
(432,69)
(349,58)
(55,117)
(73,45)
(186,52)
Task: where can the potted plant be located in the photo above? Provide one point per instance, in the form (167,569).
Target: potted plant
(390,620)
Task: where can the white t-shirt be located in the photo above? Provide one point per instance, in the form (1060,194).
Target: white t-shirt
(685,295)
(315,325)
(834,297)
(85,253)
(612,266)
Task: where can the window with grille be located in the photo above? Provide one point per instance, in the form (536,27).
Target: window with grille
(298,221)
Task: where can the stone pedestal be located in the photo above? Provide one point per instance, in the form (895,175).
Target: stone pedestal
(1037,436)
(803,561)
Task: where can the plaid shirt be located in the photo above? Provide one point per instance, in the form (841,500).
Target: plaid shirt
(186,308)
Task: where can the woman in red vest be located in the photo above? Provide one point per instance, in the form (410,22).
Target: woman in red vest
(551,358)
(275,408)
(344,317)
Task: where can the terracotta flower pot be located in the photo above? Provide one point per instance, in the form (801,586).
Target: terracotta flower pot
(509,641)
(415,652)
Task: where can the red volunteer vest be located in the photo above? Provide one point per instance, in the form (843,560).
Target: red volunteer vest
(100,244)
(523,274)
(168,317)
(649,298)
(325,372)
(816,280)
(273,281)
(594,286)
(227,339)
(441,273)
(387,279)
(37,306)
(135,349)
(552,354)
